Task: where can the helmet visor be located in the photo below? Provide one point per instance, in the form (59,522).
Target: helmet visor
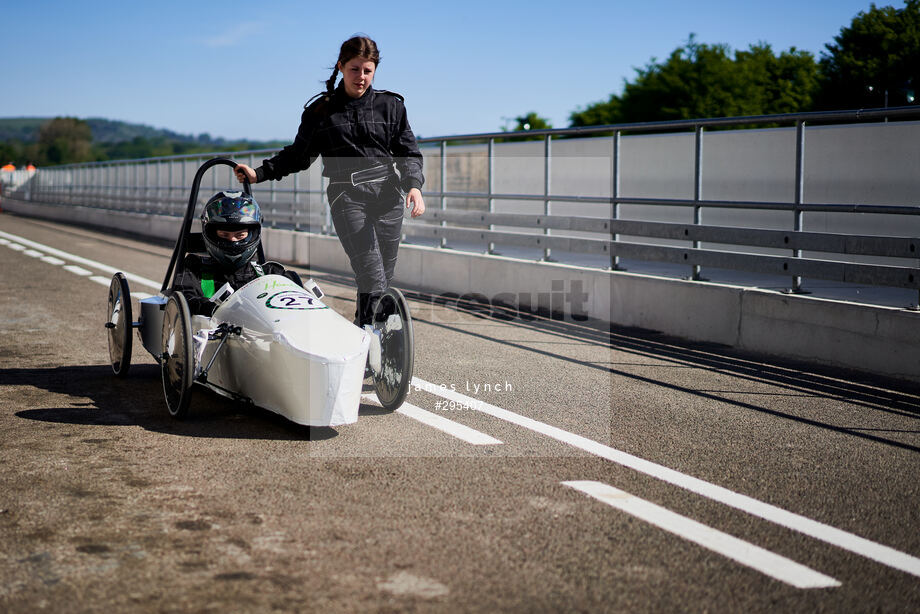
(235,210)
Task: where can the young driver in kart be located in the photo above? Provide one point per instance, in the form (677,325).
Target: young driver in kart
(231,226)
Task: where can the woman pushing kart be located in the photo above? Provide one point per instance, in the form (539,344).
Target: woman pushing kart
(371,159)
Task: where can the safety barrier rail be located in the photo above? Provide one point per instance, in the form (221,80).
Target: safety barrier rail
(475,216)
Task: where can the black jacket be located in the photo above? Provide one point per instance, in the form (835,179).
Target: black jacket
(189,280)
(351,134)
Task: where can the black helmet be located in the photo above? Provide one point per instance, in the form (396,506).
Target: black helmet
(231,211)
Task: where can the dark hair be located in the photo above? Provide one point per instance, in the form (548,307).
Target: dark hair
(354,47)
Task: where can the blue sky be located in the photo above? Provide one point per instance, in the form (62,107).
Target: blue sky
(244,69)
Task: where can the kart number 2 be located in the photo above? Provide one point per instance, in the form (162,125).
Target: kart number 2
(293,299)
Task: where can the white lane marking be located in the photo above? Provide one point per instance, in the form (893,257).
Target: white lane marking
(826,533)
(4,242)
(746,553)
(460,431)
(105,281)
(33,253)
(16,247)
(79,260)
(52,260)
(78,270)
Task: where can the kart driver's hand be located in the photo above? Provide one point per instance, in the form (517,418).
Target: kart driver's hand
(243,172)
(414,199)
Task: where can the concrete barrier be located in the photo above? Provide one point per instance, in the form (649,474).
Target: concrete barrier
(879,340)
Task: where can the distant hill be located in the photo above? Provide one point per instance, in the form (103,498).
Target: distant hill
(108,131)
(113,131)
(23,129)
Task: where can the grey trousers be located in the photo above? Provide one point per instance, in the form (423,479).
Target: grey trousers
(368,219)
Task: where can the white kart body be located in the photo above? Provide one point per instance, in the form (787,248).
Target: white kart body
(295,355)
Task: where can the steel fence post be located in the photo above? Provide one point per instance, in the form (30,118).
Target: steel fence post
(614,196)
(697,192)
(294,202)
(169,191)
(184,180)
(799,195)
(443,242)
(491,160)
(271,199)
(547,170)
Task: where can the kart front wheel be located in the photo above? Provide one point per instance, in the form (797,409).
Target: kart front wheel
(393,322)
(119,325)
(176,365)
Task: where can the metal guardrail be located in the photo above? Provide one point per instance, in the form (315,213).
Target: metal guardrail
(138,185)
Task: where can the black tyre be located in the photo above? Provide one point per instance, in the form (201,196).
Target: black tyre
(397,349)
(119,327)
(176,366)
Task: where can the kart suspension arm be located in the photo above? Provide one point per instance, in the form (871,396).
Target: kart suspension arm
(222,332)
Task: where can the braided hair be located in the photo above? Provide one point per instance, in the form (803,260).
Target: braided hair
(354,47)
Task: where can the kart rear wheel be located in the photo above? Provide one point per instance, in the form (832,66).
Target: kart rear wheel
(176,365)
(397,349)
(119,325)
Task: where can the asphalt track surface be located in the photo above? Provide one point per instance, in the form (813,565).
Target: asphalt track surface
(600,470)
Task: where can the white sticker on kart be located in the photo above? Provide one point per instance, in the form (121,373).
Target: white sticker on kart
(293,299)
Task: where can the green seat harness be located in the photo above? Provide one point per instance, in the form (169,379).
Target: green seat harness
(207,279)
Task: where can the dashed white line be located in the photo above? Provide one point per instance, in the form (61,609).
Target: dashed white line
(77,270)
(460,431)
(73,268)
(746,553)
(106,281)
(826,533)
(77,259)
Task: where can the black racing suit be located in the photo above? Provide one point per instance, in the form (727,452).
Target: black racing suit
(197,268)
(355,134)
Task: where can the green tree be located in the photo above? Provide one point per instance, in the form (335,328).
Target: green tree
(64,140)
(699,80)
(879,52)
(12,152)
(530,121)
(138,147)
(784,83)
(599,113)
(524,123)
